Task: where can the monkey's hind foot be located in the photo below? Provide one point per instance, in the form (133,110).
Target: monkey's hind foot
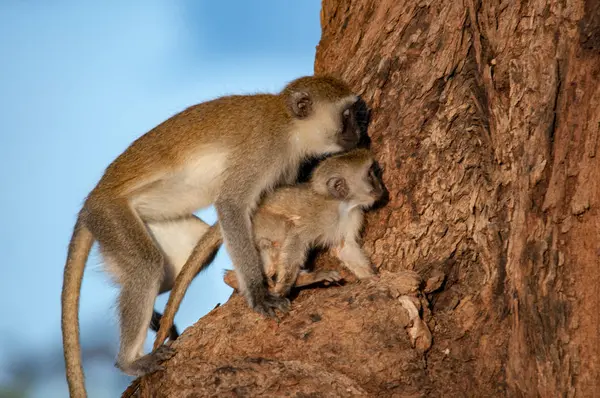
(268,303)
(230,279)
(326,277)
(148,363)
(330,276)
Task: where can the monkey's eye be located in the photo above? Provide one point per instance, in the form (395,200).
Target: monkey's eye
(346,113)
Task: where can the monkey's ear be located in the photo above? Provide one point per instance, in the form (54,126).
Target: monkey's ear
(338,187)
(300,104)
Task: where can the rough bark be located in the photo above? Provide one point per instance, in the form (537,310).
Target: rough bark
(485,117)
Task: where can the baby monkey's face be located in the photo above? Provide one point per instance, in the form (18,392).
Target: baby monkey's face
(353,177)
(368,187)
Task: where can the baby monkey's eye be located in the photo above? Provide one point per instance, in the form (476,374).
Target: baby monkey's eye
(346,113)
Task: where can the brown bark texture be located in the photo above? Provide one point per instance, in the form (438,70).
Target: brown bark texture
(485,117)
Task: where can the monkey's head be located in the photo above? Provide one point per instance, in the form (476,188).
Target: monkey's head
(324,112)
(350,177)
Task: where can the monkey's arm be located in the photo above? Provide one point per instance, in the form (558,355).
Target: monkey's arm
(198,260)
(269,252)
(353,257)
(239,195)
(292,258)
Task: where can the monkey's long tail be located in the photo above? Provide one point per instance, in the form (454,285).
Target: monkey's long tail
(79,250)
(199,260)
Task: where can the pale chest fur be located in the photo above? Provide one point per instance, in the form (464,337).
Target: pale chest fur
(348,222)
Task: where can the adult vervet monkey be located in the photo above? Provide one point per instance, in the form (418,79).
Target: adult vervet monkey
(327,211)
(225,152)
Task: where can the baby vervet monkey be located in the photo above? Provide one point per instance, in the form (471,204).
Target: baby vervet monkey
(227,151)
(326,211)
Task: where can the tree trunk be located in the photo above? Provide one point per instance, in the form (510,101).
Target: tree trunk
(485,117)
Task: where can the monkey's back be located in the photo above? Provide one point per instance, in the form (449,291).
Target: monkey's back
(231,121)
(296,210)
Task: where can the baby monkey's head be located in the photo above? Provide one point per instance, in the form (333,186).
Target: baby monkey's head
(350,177)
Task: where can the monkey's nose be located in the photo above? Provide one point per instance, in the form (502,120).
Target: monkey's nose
(348,142)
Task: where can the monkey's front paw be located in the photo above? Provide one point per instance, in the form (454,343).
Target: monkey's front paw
(269,303)
(155,359)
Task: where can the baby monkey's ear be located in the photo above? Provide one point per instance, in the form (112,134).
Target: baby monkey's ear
(338,187)
(300,104)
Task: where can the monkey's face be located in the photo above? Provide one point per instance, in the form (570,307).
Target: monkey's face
(325,113)
(349,134)
(368,189)
(326,126)
(352,177)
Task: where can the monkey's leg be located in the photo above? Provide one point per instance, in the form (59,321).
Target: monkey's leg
(269,255)
(292,258)
(270,229)
(155,325)
(309,278)
(303,279)
(269,252)
(238,237)
(138,265)
(352,256)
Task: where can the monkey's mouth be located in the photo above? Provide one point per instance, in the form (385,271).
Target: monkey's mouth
(376,196)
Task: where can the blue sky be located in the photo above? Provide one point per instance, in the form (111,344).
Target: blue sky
(78,82)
